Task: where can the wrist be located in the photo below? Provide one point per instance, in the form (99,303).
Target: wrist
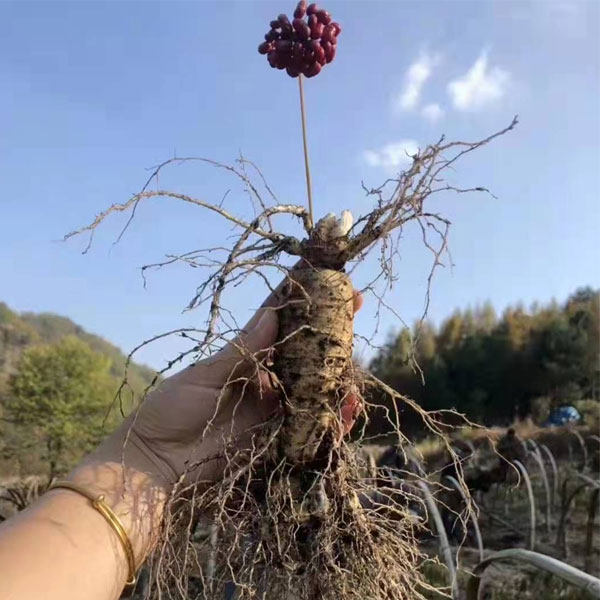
(132,486)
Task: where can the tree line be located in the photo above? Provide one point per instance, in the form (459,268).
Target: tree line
(57,382)
(495,369)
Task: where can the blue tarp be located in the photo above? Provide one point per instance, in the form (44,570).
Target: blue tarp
(562,416)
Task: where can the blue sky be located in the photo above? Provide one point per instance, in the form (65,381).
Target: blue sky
(94,93)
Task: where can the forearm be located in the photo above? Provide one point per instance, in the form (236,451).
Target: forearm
(61,548)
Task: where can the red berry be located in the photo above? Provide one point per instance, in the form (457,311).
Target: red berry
(323,16)
(329,34)
(318,52)
(283,46)
(313,70)
(329,52)
(338,28)
(272,58)
(316,31)
(312,21)
(302,29)
(312,9)
(308,58)
(271,36)
(284,21)
(292,71)
(300,10)
(274,25)
(297,51)
(284,60)
(264,48)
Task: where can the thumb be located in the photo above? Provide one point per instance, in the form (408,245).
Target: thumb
(259,334)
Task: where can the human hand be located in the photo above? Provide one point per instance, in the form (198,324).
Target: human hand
(186,421)
(182,427)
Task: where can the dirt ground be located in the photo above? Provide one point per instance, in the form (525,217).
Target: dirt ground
(505,522)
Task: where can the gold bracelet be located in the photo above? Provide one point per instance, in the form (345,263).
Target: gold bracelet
(105,510)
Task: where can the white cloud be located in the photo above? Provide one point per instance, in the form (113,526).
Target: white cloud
(432,112)
(392,157)
(414,80)
(479,86)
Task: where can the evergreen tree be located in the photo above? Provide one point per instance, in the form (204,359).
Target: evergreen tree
(494,370)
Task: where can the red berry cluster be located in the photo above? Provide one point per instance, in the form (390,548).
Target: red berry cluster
(302,46)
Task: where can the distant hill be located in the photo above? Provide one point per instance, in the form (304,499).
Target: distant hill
(21,330)
(23,451)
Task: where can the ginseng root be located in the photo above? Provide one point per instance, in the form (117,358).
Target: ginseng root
(314,361)
(297,515)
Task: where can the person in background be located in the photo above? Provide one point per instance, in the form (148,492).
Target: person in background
(510,447)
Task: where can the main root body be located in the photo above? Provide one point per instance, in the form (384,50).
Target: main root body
(314,361)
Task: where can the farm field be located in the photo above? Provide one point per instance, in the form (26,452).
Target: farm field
(571,534)
(503,512)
